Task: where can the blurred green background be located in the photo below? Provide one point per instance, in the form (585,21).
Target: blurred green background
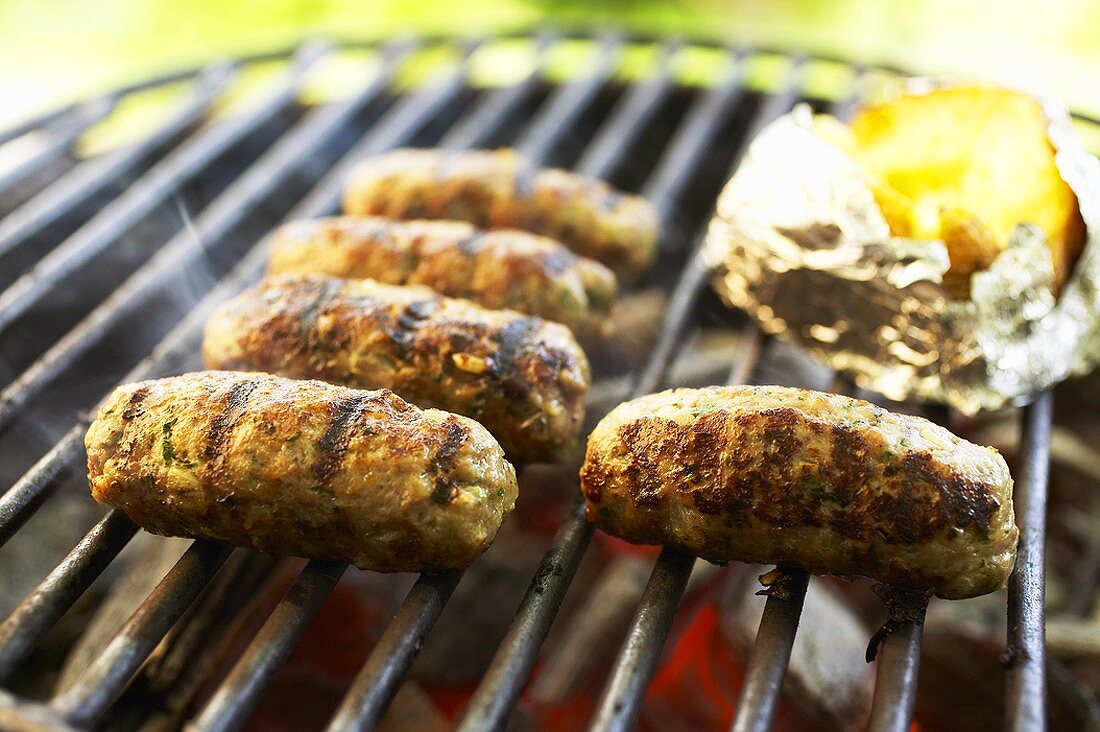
(53,51)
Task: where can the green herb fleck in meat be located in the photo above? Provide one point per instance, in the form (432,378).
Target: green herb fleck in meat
(167,450)
(820,490)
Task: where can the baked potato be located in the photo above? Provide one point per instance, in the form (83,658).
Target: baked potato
(966,165)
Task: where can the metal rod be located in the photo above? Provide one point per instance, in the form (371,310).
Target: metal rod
(34,123)
(19,715)
(771,653)
(236,587)
(159,182)
(774,107)
(681,305)
(61,135)
(20,501)
(897,648)
(238,695)
(389,661)
(569,102)
(620,702)
(844,108)
(609,147)
(94,175)
(748,354)
(699,129)
(1025,692)
(29,622)
(476,129)
(88,699)
(499,689)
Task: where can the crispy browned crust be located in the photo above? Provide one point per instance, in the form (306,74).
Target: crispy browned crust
(498,189)
(790,477)
(524,378)
(301,468)
(507,268)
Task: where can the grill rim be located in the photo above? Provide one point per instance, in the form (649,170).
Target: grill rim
(1025,672)
(280,52)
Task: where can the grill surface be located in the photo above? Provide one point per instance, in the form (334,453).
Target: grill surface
(100,268)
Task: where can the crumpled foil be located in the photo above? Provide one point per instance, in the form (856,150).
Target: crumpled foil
(799,242)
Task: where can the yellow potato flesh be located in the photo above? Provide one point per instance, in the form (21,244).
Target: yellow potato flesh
(966,165)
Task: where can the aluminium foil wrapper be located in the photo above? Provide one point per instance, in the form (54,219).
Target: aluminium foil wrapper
(799,242)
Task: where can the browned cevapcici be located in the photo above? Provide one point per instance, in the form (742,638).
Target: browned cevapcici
(791,477)
(522,377)
(302,468)
(499,189)
(501,269)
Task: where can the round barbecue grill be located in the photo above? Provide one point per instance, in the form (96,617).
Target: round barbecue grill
(109,266)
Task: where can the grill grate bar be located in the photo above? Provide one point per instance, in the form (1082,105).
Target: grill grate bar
(155,186)
(680,307)
(188,248)
(45,120)
(389,661)
(88,699)
(846,107)
(771,653)
(1026,684)
(620,703)
(219,615)
(690,285)
(63,134)
(899,655)
(699,131)
(898,660)
(630,118)
(568,102)
(476,128)
(92,176)
(240,692)
(26,495)
(29,622)
(499,689)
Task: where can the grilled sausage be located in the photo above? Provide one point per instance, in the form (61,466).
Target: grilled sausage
(524,378)
(499,189)
(301,468)
(834,485)
(497,269)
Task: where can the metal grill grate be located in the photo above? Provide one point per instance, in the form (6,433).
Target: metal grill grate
(551,123)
